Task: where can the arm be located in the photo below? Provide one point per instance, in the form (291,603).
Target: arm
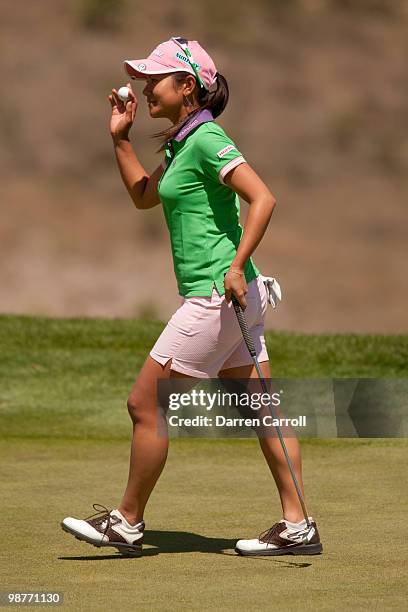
(141,187)
(247,184)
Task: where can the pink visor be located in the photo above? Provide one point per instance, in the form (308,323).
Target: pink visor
(172,56)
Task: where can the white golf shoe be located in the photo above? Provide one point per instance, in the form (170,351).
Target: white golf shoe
(283,539)
(107,528)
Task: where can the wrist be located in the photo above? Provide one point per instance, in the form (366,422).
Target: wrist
(237,266)
(236,270)
(119,140)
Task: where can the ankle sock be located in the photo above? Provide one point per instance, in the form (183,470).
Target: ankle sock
(128,525)
(297,526)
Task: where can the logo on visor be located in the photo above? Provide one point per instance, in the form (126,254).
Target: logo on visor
(185,59)
(158,52)
(141,67)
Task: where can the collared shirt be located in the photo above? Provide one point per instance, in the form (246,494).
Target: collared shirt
(201,117)
(201,211)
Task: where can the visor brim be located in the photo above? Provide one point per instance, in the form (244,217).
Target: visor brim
(132,68)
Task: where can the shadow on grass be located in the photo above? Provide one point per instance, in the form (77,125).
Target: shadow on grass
(182,542)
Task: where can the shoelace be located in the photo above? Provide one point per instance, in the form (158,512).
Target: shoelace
(105,516)
(267,536)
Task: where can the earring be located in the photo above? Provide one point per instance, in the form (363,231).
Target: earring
(186,101)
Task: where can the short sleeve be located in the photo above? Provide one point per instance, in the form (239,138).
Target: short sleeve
(218,154)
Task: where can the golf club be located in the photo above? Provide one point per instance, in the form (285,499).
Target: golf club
(251,348)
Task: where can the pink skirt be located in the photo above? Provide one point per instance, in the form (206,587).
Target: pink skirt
(203,336)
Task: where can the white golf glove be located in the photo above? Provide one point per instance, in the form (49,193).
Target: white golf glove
(273,289)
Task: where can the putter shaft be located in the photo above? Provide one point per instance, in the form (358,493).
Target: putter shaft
(251,348)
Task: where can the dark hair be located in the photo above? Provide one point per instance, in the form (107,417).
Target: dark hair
(215,101)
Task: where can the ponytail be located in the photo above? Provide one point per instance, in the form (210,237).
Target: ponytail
(216,100)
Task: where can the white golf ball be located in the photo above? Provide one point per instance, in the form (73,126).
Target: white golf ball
(123,93)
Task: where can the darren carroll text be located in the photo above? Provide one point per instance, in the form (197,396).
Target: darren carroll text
(222,421)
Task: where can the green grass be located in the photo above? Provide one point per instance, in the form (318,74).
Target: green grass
(65,437)
(210,494)
(71,377)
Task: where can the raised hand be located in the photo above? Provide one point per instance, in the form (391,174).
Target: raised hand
(123,114)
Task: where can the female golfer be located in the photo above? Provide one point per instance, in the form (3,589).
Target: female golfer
(198,184)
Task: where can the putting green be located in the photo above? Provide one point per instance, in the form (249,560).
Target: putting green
(210,494)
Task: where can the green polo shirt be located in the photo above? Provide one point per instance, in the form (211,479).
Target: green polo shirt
(202,213)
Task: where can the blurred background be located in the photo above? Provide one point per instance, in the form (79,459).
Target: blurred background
(318,106)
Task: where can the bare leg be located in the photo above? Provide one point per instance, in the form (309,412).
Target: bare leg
(149,449)
(273,453)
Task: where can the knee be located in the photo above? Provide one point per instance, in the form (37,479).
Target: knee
(142,408)
(135,408)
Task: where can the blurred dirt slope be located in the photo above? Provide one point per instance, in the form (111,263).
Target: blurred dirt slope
(319,107)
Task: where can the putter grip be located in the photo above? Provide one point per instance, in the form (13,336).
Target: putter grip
(244,327)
